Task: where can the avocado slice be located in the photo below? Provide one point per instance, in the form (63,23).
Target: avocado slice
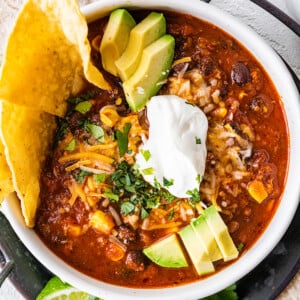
(221,233)
(196,251)
(207,238)
(142,35)
(167,253)
(115,38)
(153,69)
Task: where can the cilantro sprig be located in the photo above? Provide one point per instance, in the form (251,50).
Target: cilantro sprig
(128,182)
(122,139)
(194,195)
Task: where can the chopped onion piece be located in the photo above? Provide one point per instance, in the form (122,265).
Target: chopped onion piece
(115,215)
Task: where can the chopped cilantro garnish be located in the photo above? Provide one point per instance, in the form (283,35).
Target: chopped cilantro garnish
(198,140)
(99,177)
(79,176)
(240,247)
(127,208)
(195,196)
(167,196)
(84,97)
(171,214)
(167,182)
(96,131)
(198,178)
(148,171)
(156,183)
(83,107)
(63,129)
(146,154)
(153,201)
(122,139)
(189,103)
(71,146)
(111,195)
(144,213)
(128,182)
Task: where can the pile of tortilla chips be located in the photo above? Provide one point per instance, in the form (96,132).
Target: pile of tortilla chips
(47,59)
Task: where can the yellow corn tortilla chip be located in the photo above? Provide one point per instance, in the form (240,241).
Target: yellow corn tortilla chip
(6,185)
(27,135)
(47,56)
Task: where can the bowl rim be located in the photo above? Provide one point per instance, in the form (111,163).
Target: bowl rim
(280,221)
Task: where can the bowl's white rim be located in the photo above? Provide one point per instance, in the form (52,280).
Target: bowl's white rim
(280,222)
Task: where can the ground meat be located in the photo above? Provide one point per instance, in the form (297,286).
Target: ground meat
(126,234)
(135,260)
(262,105)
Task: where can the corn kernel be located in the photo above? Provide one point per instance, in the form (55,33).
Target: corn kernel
(118,101)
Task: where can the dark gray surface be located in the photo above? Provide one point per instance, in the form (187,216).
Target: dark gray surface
(27,275)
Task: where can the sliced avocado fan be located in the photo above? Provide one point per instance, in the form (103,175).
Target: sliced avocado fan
(115,38)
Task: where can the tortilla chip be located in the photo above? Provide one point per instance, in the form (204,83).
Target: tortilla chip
(27,135)
(47,56)
(6,185)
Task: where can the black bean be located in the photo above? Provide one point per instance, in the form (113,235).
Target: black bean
(206,65)
(240,74)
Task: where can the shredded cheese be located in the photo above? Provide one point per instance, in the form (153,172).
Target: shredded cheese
(86,155)
(181,60)
(77,165)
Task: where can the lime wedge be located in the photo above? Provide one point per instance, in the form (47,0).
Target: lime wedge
(56,289)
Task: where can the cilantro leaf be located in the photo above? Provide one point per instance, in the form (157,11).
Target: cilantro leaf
(75,100)
(144,213)
(167,182)
(99,178)
(240,247)
(195,196)
(80,176)
(198,140)
(83,107)
(96,131)
(111,195)
(148,171)
(71,146)
(171,214)
(127,208)
(146,154)
(199,178)
(122,139)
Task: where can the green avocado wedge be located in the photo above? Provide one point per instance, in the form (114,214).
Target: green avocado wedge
(221,233)
(142,35)
(153,69)
(167,253)
(207,238)
(115,38)
(201,261)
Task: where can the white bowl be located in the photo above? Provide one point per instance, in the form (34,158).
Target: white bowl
(285,212)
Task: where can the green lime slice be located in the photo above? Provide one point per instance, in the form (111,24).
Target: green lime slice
(56,289)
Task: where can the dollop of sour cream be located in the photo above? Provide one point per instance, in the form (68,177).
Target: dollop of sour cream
(175,153)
